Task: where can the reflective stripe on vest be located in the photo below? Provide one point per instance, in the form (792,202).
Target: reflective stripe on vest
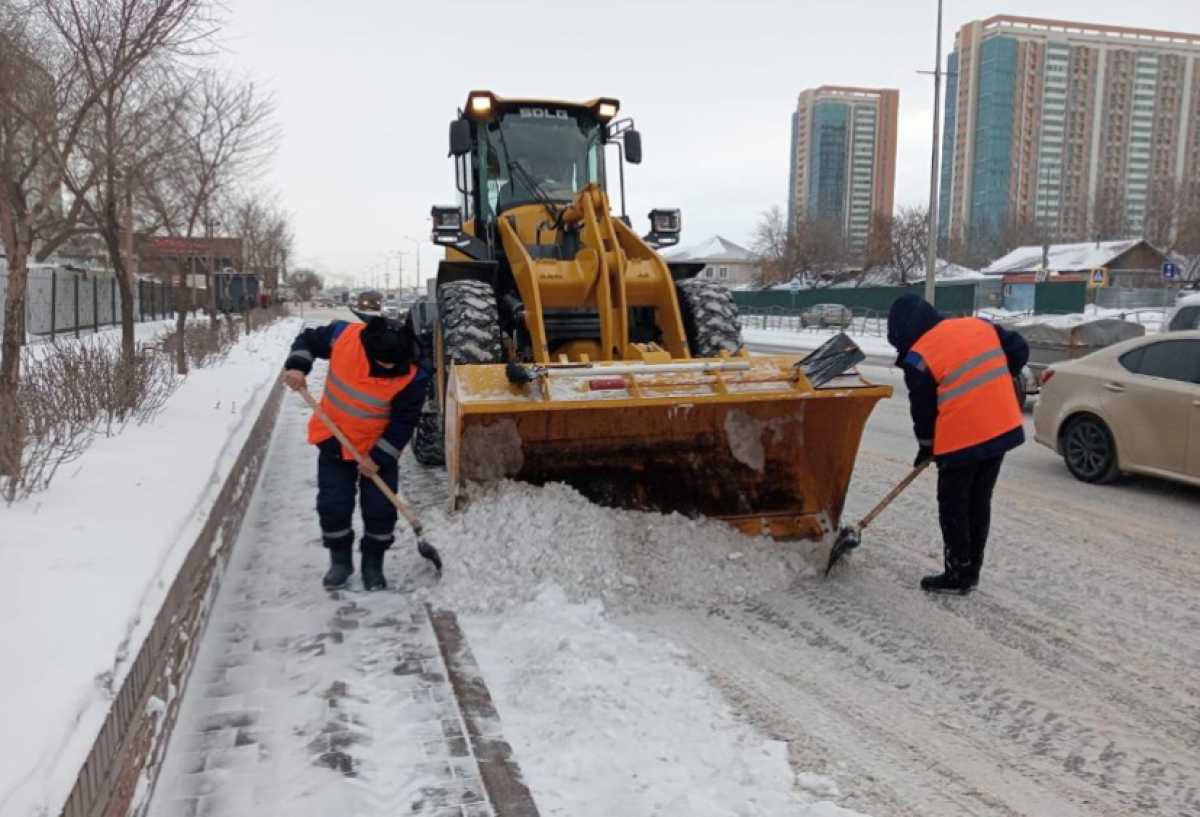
(976,399)
(360,405)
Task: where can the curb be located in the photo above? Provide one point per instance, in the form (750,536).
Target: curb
(123,763)
(498,769)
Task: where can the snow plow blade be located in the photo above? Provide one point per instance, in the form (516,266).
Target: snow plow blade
(746,440)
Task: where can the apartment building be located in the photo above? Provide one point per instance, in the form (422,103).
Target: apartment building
(1077,128)
(843,157)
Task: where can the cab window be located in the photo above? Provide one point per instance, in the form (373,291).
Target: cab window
(1169,360)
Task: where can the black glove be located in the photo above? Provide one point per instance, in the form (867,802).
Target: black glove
(924,455)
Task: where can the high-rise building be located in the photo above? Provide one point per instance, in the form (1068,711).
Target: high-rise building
(843,162)
(1079,130)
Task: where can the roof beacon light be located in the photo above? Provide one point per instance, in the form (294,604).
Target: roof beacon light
(481,104)
(606,110)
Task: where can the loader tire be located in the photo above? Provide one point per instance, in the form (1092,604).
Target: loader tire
(470,322)
(470,334)
(710,318)
(429,442)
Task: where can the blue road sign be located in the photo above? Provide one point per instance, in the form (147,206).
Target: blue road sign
(1170,271)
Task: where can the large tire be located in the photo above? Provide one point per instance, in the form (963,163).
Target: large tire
(471,333)
(429,442)
(1089,450)
(710,318)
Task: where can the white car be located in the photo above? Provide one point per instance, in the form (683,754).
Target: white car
(1186,314)
(1130,407)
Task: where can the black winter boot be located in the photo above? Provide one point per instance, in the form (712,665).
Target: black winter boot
(372,570)
(947,583)
(341,568)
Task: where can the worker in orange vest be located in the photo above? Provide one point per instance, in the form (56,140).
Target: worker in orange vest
(374,391)
(959,373)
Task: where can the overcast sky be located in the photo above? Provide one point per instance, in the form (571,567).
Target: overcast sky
(366,88)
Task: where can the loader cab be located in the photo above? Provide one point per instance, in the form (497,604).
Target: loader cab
(511,153)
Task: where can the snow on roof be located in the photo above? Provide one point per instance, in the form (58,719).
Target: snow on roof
(1063,257)
(714,249)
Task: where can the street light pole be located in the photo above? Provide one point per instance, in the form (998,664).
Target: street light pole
(931,252)
(417,252)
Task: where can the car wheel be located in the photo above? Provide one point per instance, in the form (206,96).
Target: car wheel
(1089,450)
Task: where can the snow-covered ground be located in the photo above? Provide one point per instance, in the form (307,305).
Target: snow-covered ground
(90,559)
(786,341)
(648,664)
(603,720)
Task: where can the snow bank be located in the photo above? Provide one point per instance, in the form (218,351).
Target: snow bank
(512,537)
(607,721)
(90,559)
(807,340)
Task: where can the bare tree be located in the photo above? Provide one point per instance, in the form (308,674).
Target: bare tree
(772,243)
(306,283)
(225,130)
(1109,218)
(910,242)
(1160,226)
(266,232)
(58,61)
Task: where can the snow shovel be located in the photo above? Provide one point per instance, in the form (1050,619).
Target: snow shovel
(423,547)
(850,537)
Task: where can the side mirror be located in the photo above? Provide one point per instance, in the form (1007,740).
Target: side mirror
(633,147)
(460,137)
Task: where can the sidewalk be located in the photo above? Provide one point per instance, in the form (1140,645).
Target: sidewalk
(305,702)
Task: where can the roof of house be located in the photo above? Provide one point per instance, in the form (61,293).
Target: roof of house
(1063,257)
(715,249)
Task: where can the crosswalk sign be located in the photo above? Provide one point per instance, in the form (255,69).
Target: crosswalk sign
(1099,278)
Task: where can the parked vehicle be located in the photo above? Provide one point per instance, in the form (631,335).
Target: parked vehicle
(1186,314)
(827,315)
(1131,407)
(1051,343)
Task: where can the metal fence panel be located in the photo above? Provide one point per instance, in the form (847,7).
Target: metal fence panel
(958,299)
(61,300)
(1129,298)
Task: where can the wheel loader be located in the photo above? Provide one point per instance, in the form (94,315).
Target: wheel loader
(567,349)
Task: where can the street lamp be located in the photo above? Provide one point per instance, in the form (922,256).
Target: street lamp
(417,252)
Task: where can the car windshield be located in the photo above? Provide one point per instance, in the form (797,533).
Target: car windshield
(532,150)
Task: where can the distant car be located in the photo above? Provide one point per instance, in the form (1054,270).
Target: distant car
(391,307)
(1131,407)
(827,315)
(1186,314)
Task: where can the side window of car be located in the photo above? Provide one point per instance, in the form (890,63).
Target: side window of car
(1170,360)
(1186,318)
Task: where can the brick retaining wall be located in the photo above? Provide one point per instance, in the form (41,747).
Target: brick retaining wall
(122,766)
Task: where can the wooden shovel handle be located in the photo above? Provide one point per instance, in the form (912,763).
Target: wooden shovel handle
(404,510)
(895,492)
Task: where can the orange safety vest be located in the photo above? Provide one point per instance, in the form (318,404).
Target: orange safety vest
(976,400)
(360,405)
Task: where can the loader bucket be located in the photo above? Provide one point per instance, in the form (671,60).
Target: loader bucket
(747,440)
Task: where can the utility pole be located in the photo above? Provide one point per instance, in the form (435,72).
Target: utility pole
(931,252)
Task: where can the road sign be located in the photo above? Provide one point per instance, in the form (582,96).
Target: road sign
(1170,271)
(1099,278)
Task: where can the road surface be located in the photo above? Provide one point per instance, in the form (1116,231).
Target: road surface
(1066,685)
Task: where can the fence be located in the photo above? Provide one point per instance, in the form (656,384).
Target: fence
(66,301)
(956,299)
(1052,297)
(1127,298)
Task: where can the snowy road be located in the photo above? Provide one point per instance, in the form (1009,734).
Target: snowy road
(651,665)
(1067,685)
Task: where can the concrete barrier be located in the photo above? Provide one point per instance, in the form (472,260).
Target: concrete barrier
(123,764)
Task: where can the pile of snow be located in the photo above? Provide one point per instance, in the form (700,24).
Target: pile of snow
(512,537)
(95,554)
(608,721)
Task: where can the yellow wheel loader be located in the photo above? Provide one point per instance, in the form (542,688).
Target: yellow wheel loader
(568,350)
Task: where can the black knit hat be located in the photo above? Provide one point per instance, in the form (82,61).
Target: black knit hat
(387,341)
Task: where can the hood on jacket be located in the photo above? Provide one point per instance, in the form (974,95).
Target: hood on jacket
(909,318)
